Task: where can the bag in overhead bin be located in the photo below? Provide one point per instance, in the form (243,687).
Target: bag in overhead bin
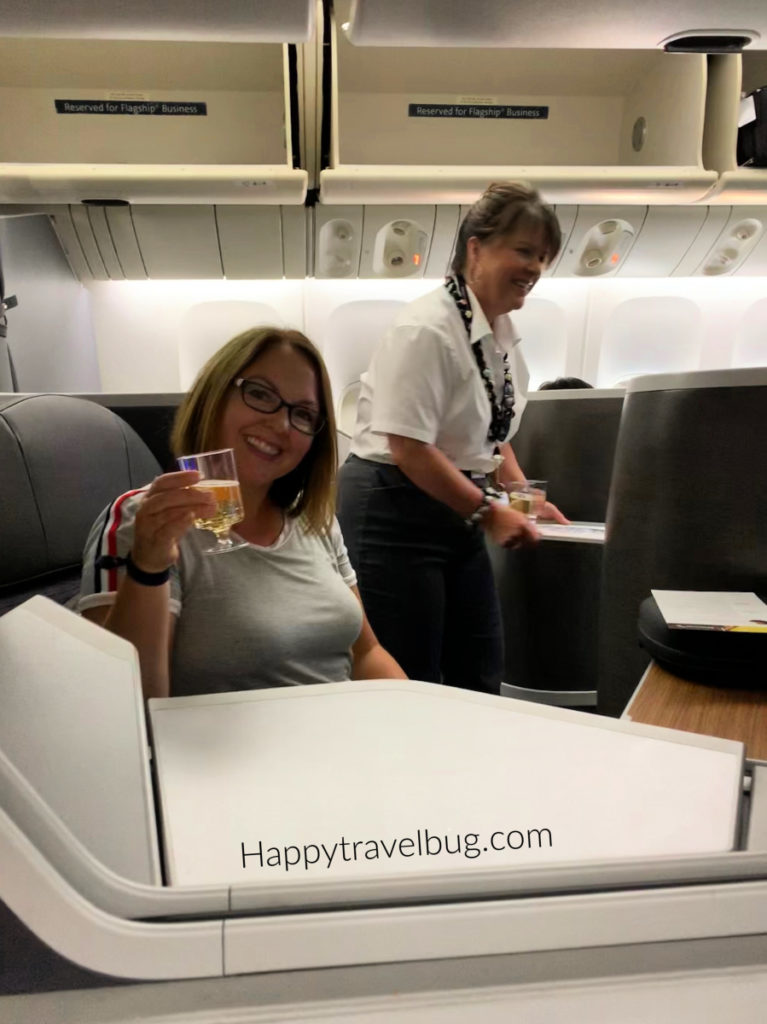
(752,129)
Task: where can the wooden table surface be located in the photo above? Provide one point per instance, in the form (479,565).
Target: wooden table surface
(666,700)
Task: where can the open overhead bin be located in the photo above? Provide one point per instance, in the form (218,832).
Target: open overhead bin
(580,24)
(418,124)
(117,120)
(733,77)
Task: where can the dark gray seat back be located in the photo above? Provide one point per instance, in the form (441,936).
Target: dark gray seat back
(550,594)
(62,460)
(688,505)
(568,438)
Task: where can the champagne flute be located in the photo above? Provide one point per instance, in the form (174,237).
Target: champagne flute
(218,475)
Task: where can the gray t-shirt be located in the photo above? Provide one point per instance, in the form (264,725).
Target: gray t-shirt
(251,618)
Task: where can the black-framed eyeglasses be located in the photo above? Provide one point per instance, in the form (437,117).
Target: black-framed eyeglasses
(262,397)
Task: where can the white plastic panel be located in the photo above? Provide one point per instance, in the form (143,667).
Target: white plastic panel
(563,23)
(543,326)
(206,326)
(386,183)
(742,240)
(566,216)
(702,244)
(250,240)
(231,20)
(736,378)
(103,237)
(253,812)
(601,239)
(178,242)
(666,236)
(124,238)
(754,255)
(337,241)
(62,919)
(295,227)
(73,725)
(61,219)
(750,347)
(90,248)
(651,334)
(26,810)
(396,241)
(351,334)
(446,222)
(475,929)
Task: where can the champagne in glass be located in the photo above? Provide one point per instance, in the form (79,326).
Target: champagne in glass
(527,497)
(218,474)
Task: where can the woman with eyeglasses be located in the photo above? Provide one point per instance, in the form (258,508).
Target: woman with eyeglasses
(281,610)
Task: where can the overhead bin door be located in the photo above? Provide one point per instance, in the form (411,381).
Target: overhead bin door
(146,122)
(226,21)
(424,124)
(529,23)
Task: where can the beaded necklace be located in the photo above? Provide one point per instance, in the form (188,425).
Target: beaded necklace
(501,411)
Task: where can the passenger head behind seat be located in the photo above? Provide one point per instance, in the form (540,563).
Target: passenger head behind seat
(62,460)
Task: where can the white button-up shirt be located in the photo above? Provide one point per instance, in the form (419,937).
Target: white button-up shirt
(423,382)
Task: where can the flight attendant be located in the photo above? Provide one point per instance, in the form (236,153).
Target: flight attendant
(419,492)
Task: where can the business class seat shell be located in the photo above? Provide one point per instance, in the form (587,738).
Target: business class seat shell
(62,460)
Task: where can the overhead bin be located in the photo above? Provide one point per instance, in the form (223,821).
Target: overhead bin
(731,77)
(115,243)
(528,23)
(415,125)
(109,120)
(275,21)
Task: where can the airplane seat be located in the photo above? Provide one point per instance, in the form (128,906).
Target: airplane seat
(62,460)
(686,507)
(346,411)
(350,337)
(549,594)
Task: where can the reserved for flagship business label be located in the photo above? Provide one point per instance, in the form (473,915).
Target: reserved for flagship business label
(135,107)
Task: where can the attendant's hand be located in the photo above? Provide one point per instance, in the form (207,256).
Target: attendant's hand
(508,528)
(167,510)
(552,514)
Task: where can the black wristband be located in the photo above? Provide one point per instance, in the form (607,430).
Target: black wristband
(146,579)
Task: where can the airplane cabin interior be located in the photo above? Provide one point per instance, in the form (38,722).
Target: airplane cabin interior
(583,844)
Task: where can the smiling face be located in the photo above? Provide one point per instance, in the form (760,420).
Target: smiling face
(502,271)
(265,445)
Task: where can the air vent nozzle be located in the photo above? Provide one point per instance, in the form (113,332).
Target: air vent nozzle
(709,41)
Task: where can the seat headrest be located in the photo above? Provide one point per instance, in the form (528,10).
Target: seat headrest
(62,460)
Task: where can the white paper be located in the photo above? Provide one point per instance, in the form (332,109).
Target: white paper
(589,533)
(707,609)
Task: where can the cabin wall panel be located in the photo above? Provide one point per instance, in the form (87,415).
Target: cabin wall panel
(50,333)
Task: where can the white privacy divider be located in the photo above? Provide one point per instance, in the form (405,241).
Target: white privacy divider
(380,778)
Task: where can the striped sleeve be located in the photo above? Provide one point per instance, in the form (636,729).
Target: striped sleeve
(107,545)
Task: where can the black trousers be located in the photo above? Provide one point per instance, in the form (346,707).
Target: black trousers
(424,576)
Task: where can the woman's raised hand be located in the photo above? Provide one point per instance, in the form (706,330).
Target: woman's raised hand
(168,509)
(508,528)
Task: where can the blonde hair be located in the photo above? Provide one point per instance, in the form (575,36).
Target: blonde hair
(309,489)
(501,208)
